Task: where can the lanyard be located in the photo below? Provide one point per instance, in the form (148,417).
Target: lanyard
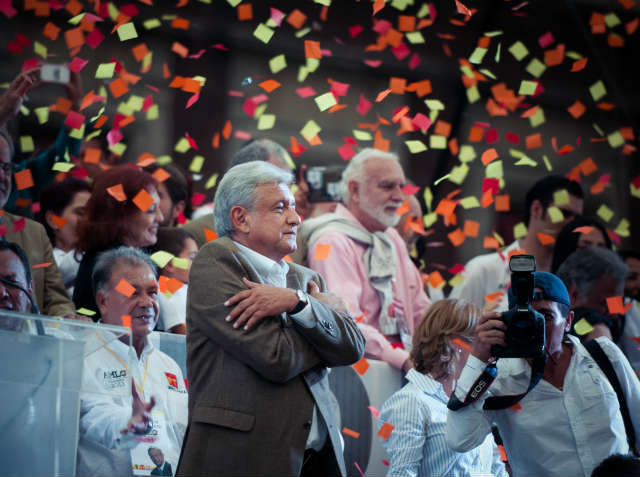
(146,365)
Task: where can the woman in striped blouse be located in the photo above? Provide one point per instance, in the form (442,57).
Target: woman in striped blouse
(418,412)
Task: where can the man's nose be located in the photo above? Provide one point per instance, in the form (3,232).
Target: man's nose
(293,218)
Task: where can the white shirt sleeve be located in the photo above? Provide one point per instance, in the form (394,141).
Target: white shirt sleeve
(173,310)
(468,427)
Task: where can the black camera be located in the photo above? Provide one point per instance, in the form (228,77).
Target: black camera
(324,183)
(524,335)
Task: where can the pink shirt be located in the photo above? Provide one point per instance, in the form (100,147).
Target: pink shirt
(346,276)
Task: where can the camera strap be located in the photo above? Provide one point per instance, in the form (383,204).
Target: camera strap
(494,403)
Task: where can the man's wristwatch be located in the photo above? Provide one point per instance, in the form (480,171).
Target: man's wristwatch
(303,300)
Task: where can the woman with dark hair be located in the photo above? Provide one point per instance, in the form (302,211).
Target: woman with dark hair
(418,412)
(123,210)
(581,232)
(61,208)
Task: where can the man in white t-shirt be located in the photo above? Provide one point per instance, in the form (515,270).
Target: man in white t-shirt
(489,273)
(118,424)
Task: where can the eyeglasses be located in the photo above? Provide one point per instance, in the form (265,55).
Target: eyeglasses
(6,167)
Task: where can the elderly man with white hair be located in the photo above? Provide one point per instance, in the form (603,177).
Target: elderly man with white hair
(365,261)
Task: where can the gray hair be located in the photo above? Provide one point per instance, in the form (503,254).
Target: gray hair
(261,150)
(237,187)
(106,261)
(584,266)
(4,134)
(355,169)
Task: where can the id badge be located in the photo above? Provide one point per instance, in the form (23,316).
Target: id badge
(154,450)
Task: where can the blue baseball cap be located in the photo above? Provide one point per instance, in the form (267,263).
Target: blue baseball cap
(551,288)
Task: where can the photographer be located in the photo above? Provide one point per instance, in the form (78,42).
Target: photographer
(570,420)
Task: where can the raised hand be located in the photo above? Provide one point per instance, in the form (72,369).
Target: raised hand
(141,418)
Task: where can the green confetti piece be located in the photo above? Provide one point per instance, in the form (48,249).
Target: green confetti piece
(429,219)
(458,174)
(362,135)
(26,144)
(555,214)
(494,170)
(42,114)
(40,49)
(428,198)
(415,146)
(151,23)
(598,129)
(277,63)
(470,202)
(161,258)
(519,230)
(127,31)
(434,104)
(536,67)
(77,133)
(615,139)
(62,166)
(105,71)
(478,55)
(488,73)
(181,263)
(611,20)
(561,197)
(211,182)
(424,11)
(164,160)
(456,280)
(415,37)
(583,327)
(85,311)
(302,32)
(597,90)
(266,121)
(491,34)
(310,130)
(77,19)
(118,149)
(527,87)
(518,50)
(182,145)
(574,55)
(497,57)
(443,178)
(437,142)
(325,101)
(467,153)
(473,94)
(153,112)
(547,164)
(537,119)
(526,161)
(605,213)
(263,33)
(196,164)
(312,64)
(234,3)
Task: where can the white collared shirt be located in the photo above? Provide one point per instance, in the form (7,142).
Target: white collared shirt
(555,432)
(107,410)
(275,274)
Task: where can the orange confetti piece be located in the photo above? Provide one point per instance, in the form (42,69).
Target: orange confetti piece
(397,85)
(404,208)
(488,156)
(169,285)
(616,305)
(471,228)
(585,229)
(491,242)
(462,344)
(74,38)
(588,166)
(322,251)
(143,200)
(503,453)
(446,207)
(59,221)
(503,203)
(378,5)
(579,65)
(382,95)
(577,109)
(349,432)
(146,159)
(101,120)
(296,19)
(533,141)
(269,85)
(442,128)
(117,192)
(421,88)
(386,430)
(23,179)
(180,49)
(161,175)
(312,49)
(380,142)
(361,366)
(140,51)
(181,23)
(51,31)
(493,296)
(245,11)
(406,23)
(125,288)
(226,131)
(41,265)
(210,235)
(456,237)
(126,321)
(435,279)
(118,87)
(545,239)
(516,407)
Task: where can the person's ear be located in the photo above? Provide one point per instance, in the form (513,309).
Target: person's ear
(48,217)
(573,295)
(354,190)
(240,219)
(568,321)
(537,210)
(101,301)
(178,207)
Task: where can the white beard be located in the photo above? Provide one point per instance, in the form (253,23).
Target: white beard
(378,212)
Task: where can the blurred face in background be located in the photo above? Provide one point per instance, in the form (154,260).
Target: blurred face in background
(5,171)
(67,235)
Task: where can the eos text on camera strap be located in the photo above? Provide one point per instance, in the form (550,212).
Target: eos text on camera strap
(494,403)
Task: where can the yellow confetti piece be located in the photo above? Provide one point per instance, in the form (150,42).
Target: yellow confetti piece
(161,258)
(362,135)
(478,55)
(196,164)
(597,90)
(26,144)
(615,139)
(40,49)
(583,327)
(605,213)
(429,219)
(519,230)
(415,37)
(325,101)
(415,146)
(181,263)
(470,202)
(153,112)
(105,70)
(561,197)
(85,311)
(310,130)
(127,31)
(458,174)
(266,121)
(536,68)
(555,214)
(527,87)
(263,33)
(151,23)
(211,182)
(42,114)
(277,63)
(62,166)
(494,170)
(182,145)
(456,280)
(518,50)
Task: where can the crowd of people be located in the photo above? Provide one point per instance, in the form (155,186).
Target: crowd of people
(272,290)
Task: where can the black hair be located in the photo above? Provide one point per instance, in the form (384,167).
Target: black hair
(567,239)
(17,249)
(56,197)
(544,189)
(629,253)
(171,239)
(593,318)
(617,465)
(176,183)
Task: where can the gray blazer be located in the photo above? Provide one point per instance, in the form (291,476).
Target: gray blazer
(251,393)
